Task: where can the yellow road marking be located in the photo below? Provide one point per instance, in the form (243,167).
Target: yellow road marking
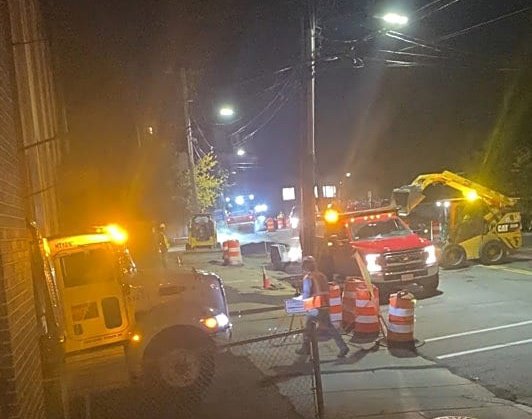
(503,268)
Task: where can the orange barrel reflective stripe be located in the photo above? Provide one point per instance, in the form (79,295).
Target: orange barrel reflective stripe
(335,304)
(401,318)
(366,311)
(234,255)
(280,222)
(349,301)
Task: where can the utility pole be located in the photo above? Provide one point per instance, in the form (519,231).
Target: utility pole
(190,140)
(307,146)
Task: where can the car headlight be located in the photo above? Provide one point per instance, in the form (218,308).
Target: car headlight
(294,222)
(219,321)
(431,255)
(372,262)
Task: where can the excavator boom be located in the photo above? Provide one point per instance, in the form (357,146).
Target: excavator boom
(407,197)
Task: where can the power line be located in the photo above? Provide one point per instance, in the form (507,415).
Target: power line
(270,104)
(426,5)
(274,113)
(201,133)
(481,24)
(445,6)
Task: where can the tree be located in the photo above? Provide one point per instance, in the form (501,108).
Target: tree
(210,180)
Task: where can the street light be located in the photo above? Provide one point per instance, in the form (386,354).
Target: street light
(348,174)
(240,152)
(226,111)
(395,19)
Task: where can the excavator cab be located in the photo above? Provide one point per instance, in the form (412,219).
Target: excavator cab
(406,198)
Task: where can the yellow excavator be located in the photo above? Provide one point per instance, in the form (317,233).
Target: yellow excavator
(484,224)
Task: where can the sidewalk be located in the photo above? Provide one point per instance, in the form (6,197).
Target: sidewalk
(370,382)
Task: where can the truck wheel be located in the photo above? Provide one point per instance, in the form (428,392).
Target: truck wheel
(492,252)
(431,283)
(453,256)
(181,364)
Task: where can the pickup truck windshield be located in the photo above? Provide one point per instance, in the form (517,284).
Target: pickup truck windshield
(376,229)
(88,267)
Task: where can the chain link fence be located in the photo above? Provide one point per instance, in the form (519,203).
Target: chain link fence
(261,377)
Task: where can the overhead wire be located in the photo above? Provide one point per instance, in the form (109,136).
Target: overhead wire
(201,133)
(242,140)
(265,109)
(481,24)
(430,13)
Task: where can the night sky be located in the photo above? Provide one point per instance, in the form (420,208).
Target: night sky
(117,66)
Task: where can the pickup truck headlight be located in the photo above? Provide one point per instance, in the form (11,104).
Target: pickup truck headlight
(431,255)
(372,263)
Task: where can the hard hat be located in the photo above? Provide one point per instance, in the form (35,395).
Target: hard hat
(309,263)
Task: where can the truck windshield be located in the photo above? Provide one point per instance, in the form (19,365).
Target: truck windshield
(379,229)
(88,267)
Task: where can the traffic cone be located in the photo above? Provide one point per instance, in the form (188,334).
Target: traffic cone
(266,283)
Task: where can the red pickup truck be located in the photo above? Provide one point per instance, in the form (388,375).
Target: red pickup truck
(395,256)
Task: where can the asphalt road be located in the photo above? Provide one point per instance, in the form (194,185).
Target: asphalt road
(480,326)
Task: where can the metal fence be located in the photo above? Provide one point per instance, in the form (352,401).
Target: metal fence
(261,378)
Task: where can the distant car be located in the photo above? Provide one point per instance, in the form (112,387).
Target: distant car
(241,220)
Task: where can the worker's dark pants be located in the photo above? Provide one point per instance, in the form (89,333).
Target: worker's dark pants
(324,320)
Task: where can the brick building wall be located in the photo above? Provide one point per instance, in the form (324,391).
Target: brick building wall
(21,393)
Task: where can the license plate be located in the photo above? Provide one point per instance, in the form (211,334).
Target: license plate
(407,277)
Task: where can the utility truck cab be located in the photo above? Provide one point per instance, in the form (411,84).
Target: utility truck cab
(160,327)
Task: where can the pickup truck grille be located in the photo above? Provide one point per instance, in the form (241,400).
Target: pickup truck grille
(396,264)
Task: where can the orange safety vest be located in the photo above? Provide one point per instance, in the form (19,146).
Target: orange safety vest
(320,292)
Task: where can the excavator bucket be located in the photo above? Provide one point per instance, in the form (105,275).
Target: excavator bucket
(406,198)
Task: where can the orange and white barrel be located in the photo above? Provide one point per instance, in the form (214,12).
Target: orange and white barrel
(349,301)
(435,231)
(335,304)
(280,222)
(401,318)
(366,311)
(270,224)
(234,255)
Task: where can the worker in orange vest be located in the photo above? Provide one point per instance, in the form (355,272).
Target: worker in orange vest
(315,284)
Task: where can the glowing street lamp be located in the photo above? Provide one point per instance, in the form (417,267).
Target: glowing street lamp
(240,152)
(395,19)
(348,174)
(226,112)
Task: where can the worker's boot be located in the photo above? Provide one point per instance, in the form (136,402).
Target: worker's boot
(343,352)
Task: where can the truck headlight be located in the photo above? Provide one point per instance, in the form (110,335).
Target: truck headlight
(219,321)
(222,320)
(431,255)
(372,263)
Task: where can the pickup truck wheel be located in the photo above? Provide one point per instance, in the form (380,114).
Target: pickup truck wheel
(184,365)
(492,252)
(431,283)
(453,256)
